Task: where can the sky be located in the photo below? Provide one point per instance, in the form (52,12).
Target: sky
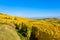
(31,8)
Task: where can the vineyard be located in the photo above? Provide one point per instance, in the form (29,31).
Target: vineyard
(26,29)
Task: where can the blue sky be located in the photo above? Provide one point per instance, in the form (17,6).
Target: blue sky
(31,8)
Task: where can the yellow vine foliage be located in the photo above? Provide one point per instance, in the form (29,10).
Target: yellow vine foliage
(42,29)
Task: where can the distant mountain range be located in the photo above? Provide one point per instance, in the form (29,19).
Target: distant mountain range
(43,17)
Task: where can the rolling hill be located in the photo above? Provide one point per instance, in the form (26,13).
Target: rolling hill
(18,28)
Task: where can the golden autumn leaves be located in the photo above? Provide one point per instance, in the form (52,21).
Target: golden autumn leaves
(46,28)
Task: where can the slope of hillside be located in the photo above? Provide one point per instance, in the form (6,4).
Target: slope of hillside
(25,29)
(8,33)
